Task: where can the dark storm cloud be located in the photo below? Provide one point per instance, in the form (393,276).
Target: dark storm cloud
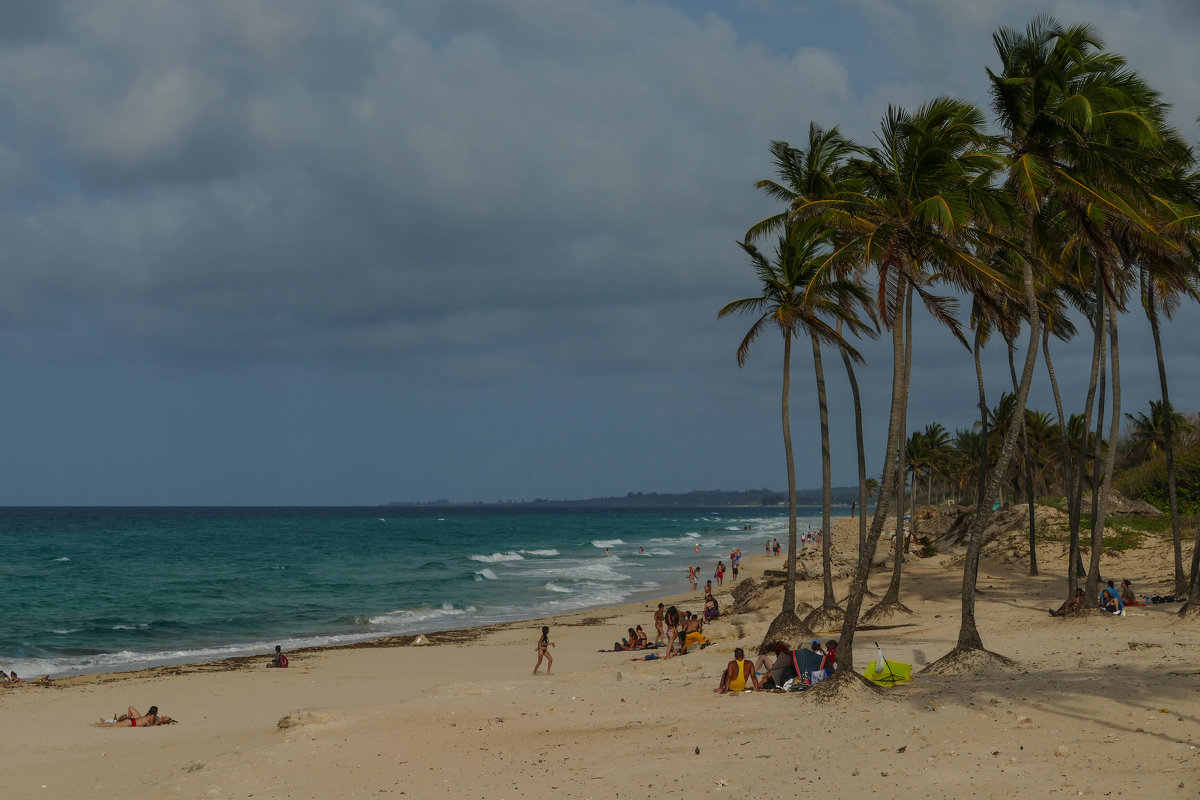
(284,179)
(469,248)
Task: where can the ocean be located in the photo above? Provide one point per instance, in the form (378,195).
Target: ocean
(85,590)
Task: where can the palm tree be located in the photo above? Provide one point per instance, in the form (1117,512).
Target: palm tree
(1152,433)
(794,299)
(818,172)
(1064,106)
(918,193)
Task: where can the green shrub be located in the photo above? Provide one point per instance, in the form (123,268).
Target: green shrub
(1149,481)
(927,548)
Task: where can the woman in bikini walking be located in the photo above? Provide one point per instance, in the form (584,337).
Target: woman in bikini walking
(543,646)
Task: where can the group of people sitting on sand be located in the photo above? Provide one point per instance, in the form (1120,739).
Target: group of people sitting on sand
(12,679)
(675,631)
(788,669)
(1109,599)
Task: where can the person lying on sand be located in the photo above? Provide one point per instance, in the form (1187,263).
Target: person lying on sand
(14,678)
(135,719)
(736,673)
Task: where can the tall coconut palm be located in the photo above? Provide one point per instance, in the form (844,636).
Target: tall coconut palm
(1152,433)
(1057,92)
(919,193)
(820,171)
(796,298)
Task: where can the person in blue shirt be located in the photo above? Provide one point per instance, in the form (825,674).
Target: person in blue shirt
(1110,600)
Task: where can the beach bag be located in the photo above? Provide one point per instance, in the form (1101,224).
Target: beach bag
(283,662)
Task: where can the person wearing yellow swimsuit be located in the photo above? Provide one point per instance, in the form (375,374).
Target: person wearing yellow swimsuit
(736,673)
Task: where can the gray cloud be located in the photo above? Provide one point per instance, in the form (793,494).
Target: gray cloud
(428,202)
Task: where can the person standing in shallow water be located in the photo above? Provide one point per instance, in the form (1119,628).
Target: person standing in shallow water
(543,646)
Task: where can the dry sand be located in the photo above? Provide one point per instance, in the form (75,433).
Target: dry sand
(1099,706)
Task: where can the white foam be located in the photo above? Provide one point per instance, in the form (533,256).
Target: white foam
(140,627)
(406,616)
(486,573)
(554,587)
(495,558)
(61,558)
(550,552)
(605,543)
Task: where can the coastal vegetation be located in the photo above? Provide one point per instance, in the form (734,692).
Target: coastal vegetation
(1077,199)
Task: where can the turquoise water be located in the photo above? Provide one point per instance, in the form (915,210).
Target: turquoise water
(89,590)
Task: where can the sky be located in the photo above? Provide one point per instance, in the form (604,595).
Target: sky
(291,252)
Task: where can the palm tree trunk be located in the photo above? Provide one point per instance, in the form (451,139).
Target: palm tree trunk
(1025,457)
(892,595)
(983,424)
(789,589)
(899,403)
(1181,583)
(1097,539)
(1114,432)
(1065,455)
(828,602)
(1075,505)
(1192,606)
(858,437)
(968,633)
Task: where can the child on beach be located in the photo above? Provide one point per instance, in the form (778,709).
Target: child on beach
(543,646)
(658,624)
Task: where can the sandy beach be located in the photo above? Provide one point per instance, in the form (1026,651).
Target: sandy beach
(1099,706)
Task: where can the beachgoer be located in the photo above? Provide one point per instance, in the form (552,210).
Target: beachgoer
(14,678)
(697,549)
(831,654)
(1110,600)
(780,669)
(736,674)
(1127,596)
(693,577)
(775,546)
(671,618)
(711,610)
(720,573)
(642,640)
(767,546)
(135,719)
(734,560)
(707,588)
(1070,606)
(628,643)
(542,647)
(658,624)
(279,659)
(692,631)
